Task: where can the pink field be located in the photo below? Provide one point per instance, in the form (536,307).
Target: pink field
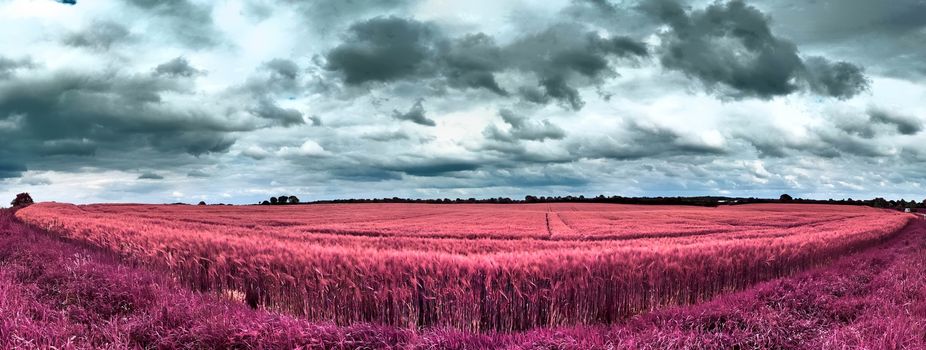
(471,267)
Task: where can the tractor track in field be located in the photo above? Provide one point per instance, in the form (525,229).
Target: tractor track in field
(556,226)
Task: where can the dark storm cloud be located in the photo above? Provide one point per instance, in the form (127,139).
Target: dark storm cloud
(65,114)
(565,57)
(559,59)
(472,61)
(9,169)
(730,45)
(99,35)
(190,23)
(383,49)
(415,115)
(839,79)
(522,128)
(905,125)
(284,116)
(177,67)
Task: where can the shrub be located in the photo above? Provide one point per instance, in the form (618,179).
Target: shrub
(22,200)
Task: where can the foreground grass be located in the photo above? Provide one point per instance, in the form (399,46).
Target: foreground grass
(58,294)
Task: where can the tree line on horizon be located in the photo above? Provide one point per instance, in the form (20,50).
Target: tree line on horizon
(281,200)
(706,201)
(24,199)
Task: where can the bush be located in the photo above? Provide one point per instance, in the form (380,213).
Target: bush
(22,200)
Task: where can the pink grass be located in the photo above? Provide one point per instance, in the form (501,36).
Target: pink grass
(57,294)
(471,267)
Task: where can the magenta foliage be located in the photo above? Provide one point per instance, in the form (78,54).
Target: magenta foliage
(57,293)
(471,267)
(54,293)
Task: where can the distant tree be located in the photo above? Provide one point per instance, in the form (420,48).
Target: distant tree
(879,202)
(22,200)
(785,198)
(273,200)
(293,200)
(202,202)
(530,199)
(265,203)
(282,199)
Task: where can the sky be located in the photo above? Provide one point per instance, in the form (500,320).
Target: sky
(237,100)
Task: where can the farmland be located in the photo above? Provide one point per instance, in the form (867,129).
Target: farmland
(473,268)
(54,293)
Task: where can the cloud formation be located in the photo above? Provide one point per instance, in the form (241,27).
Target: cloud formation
(414,115)
(522,128)
(177,67)
(905,125)
(184,100)
(730,46)
(557,61)
(98,35)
